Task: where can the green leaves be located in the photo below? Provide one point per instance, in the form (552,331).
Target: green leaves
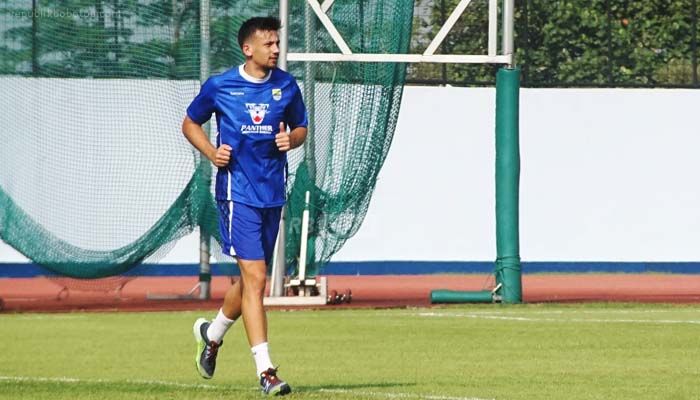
(118,38)
(558,43)
(576,42)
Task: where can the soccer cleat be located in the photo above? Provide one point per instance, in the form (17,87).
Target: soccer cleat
(273,385)
(207,350)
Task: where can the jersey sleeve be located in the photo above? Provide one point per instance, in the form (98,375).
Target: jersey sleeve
(202,107)
(295,114)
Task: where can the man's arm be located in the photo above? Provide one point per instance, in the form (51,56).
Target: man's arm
(195,134)
(287,141)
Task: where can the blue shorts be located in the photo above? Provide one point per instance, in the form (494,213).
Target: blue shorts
(248,232)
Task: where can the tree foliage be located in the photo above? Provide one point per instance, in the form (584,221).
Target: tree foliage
(558,42)
(578,42)
(118,38)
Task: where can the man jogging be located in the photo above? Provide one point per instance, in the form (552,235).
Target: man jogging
(254,104)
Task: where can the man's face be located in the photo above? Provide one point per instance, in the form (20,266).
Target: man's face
(263,48)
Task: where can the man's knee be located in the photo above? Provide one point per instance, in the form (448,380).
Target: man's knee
(254,275)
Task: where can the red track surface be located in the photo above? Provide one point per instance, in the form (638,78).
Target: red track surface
(40,294)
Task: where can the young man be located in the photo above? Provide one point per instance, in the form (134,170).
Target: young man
(253,103)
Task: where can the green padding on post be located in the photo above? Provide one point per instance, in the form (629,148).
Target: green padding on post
(205,277)
(508,185)
(455,296)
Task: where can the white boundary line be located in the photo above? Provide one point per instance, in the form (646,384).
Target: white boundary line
(390,395)
(386,395)
(530,319)
(515,311)
(64,379)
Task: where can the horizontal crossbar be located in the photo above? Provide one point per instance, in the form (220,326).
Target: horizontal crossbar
(403,58)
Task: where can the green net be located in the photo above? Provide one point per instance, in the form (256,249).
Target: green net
(353,109)
(95,176)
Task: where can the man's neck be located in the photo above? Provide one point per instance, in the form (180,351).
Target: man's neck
(255,70)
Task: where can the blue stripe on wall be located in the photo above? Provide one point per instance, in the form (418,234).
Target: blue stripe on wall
(26,270)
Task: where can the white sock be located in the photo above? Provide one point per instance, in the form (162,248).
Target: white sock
(261,355)
(218,327)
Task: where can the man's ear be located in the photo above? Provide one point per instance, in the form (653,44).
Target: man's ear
(247,50)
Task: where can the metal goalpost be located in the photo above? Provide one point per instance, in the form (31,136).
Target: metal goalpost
(507,265)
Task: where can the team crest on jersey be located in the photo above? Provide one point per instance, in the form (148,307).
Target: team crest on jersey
(257,112)
(277,94)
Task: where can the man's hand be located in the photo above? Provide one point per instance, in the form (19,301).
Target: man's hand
(282,139)
(222,156)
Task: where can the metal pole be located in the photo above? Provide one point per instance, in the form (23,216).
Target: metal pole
(443,17)
(310,100)
(526,44)
(204,239)
(508,16)
(608,33)
(284,34)
(694,43)
(35,52)
(310,90)
(279,268)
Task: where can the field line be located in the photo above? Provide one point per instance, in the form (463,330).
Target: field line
(391,395)
(386,395)
(131,381)
(531,319)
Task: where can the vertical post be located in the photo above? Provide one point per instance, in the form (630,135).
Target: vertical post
(508,16)
(35,50)
(284,34)
(279,262)
(608,33)
(310,100)
(304,237)
(310,90)
(694,42)
(204,239)
(443,17)
(508,272)
(525,43)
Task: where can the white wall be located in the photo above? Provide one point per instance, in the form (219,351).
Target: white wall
(606,175)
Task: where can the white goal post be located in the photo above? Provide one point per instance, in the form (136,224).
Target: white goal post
(494,55)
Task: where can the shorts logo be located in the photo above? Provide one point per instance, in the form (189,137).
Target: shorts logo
(257,112)
(277,94)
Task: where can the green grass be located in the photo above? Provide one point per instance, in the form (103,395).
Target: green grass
(594,351)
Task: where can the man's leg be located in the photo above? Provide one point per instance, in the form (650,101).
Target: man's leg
(228,314)
(253,278)
(209,335)
(231,309)
(232,301)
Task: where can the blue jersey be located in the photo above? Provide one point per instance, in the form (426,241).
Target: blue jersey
(248,114)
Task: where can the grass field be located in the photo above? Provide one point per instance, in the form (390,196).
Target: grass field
(593,351)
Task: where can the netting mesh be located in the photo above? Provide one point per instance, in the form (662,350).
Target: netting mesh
(353,111)
(95,176)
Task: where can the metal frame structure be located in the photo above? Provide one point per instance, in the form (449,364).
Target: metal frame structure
(429,56)
(508,261)
(508,288)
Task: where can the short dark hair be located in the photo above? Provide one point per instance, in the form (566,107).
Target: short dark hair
(257,24)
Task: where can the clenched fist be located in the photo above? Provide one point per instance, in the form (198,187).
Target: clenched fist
(222,156)
(282,139)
